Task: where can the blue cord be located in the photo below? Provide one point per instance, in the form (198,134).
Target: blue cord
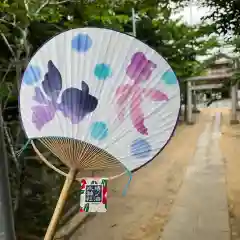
(23,148)
(128,183)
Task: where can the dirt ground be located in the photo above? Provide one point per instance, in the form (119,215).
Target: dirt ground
(144,211)
(230,145)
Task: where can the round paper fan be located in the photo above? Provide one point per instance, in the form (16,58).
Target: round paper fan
(100,100)
(112,93)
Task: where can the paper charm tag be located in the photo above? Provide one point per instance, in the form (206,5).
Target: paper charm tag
(93,195)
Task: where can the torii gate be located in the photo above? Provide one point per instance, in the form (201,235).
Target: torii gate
(191,86)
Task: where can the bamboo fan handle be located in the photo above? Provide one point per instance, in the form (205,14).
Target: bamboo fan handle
(60,204)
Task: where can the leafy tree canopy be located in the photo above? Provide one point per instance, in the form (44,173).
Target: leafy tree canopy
(225,14)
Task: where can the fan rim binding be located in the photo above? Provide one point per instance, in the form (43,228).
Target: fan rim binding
(123,33)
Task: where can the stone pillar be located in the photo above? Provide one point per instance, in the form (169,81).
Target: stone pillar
(234,119)
(237,88)
(195,109)
(189,103)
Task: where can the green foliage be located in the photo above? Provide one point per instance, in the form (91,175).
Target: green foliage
(176,41)
(225,15)
(235,42)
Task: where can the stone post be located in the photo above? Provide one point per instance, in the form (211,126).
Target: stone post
(189,103)
(238,106)
(234,97)
(195,109)
(234,119)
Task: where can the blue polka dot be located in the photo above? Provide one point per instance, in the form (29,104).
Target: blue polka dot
(31,75)
(81,43)
(140,148)
(169,77)
(102,71)
(99,130)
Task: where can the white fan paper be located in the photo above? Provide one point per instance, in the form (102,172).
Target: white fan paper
(104,88)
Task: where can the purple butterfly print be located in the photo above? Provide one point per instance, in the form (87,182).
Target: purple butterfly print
(75,104)
(39,96)
(52,83)
(42,115)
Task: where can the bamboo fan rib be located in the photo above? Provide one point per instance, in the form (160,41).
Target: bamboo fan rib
(80,155)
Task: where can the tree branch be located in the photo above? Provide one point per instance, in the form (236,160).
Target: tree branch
(48,2)
(26,5)
(11,23)
(60,2)
(8,45)
(5,74)
(42,6)
(9,140)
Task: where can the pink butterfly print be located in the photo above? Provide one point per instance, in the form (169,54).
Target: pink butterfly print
(155,95)
(140,68)
(135,95)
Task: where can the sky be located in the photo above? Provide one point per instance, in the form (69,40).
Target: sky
(195,17)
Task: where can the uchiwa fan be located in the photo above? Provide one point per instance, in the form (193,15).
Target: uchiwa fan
(99,100)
